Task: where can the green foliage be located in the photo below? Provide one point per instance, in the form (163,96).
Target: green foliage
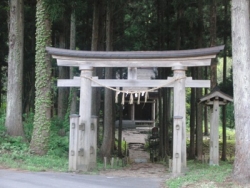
(59,139)
(198,172)
(58,8)
(14,144)
(14,151)
(124,145)
(2,129)
(28,125)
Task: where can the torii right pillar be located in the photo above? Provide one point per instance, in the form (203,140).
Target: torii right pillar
(179,128)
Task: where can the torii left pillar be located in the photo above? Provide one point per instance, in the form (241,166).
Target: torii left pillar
(83,135)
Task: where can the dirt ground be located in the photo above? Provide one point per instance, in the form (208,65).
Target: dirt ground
(139,159)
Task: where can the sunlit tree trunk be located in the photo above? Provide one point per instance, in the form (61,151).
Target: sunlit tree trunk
(40,136)
(13,121)
(241,77)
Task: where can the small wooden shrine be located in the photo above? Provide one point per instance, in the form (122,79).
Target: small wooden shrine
(215,99)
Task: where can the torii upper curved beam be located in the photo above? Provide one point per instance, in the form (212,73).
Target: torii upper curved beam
(187,58)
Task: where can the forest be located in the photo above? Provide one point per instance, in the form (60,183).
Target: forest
(35,112)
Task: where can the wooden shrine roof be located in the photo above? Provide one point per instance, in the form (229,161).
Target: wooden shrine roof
(216,93)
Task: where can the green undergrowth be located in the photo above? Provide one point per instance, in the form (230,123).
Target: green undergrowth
(14,153)
(198,174)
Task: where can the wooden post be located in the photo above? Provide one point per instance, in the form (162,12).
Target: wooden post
(170,164)
(73,140)
(132,108)
(153,113)
(179,112)
(105,163)
(93,142)
(177,148)
(84,142)
(112,162)
(214,134)
(132,73)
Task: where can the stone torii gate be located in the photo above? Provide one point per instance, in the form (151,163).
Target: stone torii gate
(83,149)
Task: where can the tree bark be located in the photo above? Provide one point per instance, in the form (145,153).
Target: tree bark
(94,47)
(241,77)
(63,92)
(199,115)
(213,27)
(206,132)
(73,91)
(108,138)
(13,122)
(199,109)
(161,119)
(40,136)
(224,126)
(192,120)
(168,121)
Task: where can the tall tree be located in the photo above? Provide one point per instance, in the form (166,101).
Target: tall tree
(29,57)
(213,39)
(73,91)
(241,77)
(106,147)
(192,120)
(224,130)
(3,47)
(15,70)
(199,109)
(94,47)
(63,92)
(40,136)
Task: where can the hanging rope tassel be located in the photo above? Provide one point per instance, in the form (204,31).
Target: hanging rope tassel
(131,100)
(116,96)
(123,98)
(146,97)
(138,100)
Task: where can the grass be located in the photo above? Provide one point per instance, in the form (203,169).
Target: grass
(206,176)
(25,161)
(202,174)
(15,154)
